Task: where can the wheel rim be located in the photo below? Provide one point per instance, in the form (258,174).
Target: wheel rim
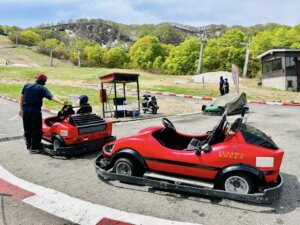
(56,144)
(123,169)
(237,184)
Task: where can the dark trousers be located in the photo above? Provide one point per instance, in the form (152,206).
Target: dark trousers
(222,91)
(32,123)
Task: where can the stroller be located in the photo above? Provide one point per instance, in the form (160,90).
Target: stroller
(149,104)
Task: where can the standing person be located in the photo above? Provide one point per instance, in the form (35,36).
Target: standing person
(226,86)
(221,87)
(30,109)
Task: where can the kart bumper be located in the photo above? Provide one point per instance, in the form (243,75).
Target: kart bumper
(80,149)
(267,196)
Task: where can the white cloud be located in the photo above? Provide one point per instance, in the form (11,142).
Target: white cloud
(118,10)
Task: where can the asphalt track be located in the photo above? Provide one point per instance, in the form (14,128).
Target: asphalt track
(77,177)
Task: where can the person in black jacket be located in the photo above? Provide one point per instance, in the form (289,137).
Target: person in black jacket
(31,102)
(85,107)
(221,87)
(226,86)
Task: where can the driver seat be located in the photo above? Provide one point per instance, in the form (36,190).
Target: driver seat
(194,144)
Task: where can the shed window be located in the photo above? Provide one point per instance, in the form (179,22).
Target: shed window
(290,63)
(272,65)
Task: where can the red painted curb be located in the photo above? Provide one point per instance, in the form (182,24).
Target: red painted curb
(15,191)
(188,96)
(257,101)
(207,98)
(159,93)
(46,110)
(107,221)
(171,94)
(290,104)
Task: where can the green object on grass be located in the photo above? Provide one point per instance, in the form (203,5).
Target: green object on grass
(213,108)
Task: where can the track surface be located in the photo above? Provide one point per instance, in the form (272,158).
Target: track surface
(77,178)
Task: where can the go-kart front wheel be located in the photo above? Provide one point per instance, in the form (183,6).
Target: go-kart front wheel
(124,166)
(56,144)
(238,183)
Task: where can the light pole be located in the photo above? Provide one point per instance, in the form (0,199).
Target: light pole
(203,41)
(246,57)
(79,63)
(17,39)
(51,57)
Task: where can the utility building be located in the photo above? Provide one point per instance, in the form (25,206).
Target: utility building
(281,68)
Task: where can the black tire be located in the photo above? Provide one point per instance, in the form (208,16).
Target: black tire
(124,166)
(56,144)
(239,183)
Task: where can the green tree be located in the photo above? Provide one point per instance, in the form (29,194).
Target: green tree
(280,37)
(116,58)
(79,45)
(261,42)
(59,48)
(293,35)
(182,58)
(144,51)
(94,55)
(211,56)
(29,37)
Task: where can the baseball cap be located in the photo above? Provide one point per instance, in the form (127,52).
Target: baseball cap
(41,76)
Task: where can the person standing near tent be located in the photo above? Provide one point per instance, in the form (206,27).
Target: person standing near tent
(226,86)
(221,87)
(31,102)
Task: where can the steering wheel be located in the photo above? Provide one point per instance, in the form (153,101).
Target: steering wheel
(64,112)
(168,124)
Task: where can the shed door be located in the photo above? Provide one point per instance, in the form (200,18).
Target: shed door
(298,74)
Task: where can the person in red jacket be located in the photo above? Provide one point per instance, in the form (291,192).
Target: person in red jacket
(31,102)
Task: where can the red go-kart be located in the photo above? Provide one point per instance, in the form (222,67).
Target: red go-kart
(235,161)
(72,134)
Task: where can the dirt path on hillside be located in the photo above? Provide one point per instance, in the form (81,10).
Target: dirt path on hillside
(10,58)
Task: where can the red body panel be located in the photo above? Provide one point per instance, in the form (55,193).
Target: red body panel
(232,151)
(70,133)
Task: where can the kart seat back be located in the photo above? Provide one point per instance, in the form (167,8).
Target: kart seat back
(195,143)
(88,123)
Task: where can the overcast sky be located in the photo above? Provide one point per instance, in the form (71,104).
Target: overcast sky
(25,13)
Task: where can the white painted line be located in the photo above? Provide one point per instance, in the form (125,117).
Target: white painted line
(3,134)
(273,103)
(16,117)
(76,210)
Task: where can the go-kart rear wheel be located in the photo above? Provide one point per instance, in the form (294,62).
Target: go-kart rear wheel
(238,183)
(124,166)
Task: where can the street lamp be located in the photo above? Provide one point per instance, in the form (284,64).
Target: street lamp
(51,56)
(203,41)
(246,57)
(79,63)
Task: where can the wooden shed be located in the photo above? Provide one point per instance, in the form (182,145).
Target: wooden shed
(281,68)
